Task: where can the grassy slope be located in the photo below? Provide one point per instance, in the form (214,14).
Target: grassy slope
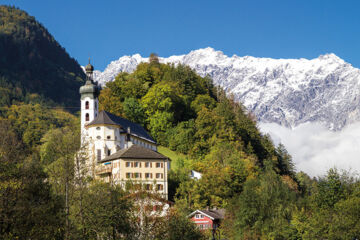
(176,158)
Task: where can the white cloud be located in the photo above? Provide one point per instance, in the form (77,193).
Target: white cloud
(315,149)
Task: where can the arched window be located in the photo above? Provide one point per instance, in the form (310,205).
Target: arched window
(87,117)
(87,105)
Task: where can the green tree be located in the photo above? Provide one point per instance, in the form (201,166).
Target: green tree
(134,111)
(181,137)
(107,212)
(154,59)
(58,156)
(28,209)
(178,226)
(330,190)
(263,210)
(346,221)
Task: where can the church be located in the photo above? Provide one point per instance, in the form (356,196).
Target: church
(119,151)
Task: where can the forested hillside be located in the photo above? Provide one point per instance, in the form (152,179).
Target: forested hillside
(47,193)
(186,113)
(33,66)
(242,170)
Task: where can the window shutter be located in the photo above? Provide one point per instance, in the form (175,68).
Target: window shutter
(132,164)
(151,175)
(162,165)
(140,164)
(151,165)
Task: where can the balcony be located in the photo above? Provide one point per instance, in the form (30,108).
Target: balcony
(103,169)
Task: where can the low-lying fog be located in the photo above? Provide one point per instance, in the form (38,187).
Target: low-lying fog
(315,149)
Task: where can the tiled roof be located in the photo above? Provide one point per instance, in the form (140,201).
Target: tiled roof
(212,213)
(134,152)
(106,118)
(216,214)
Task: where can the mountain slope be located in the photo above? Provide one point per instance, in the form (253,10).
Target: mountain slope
(285,91)
(33,64)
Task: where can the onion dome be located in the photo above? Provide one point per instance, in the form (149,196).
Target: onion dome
(89,68)
(90,88)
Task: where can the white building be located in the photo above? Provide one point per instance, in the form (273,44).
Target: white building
(119,150)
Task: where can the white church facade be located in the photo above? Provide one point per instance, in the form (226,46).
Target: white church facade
(119,151)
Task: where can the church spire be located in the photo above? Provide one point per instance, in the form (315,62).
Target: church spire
(89,100)
(89,69)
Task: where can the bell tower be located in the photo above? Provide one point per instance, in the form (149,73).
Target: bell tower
(89,100)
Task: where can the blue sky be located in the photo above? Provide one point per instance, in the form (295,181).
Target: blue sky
(106,30)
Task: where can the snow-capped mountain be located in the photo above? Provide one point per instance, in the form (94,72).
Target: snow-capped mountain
(285,91)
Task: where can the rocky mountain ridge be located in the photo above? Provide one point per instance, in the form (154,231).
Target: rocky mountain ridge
(285,91)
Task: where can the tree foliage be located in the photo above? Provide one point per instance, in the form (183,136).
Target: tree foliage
(33,66)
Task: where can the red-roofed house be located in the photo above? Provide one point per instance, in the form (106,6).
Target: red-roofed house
(207,219)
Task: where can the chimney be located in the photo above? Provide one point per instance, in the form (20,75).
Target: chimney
(128,134)
(128,137)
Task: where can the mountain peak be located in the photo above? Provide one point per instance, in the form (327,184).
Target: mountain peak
(285,91)
(331,56)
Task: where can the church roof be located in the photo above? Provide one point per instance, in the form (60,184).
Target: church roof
(106,118)
(134,152)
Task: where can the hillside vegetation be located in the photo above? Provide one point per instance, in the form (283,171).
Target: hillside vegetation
(46,191)
(33,66)
(187,114)
(242,170)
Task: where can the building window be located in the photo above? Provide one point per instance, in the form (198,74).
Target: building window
(108,137)
(137,175)
(148,175)
(138,164)
(95,106)
(148,165)
(109,152)
(128,175)
(159,165)
(98,137)
(199,216)
(98,128)
(128,164)
(87,118)
(159,175)
(148,187)
(159,187)
(99,154)
(86,105)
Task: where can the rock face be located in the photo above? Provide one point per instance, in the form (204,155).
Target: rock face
(284,91)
